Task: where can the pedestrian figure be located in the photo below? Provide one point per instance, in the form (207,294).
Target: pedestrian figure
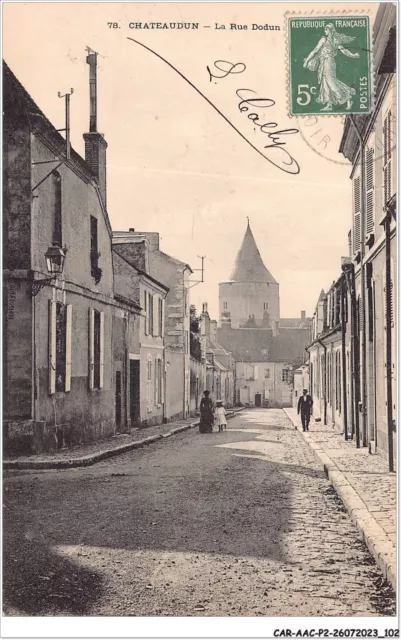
(305,404)
(221,415)
(207,414)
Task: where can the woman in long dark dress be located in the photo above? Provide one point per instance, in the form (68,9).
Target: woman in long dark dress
(207,414)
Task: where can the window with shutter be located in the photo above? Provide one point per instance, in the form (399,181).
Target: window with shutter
(357,214)
(60,346)
(150,315)
(160,317)
(156,386)
(101,351)
(391,303)
(369,223)
(96,350)
(156,325)
(55,186)
(52,346)
(91,348)
(68,337)
(359,315)
(145,308)
(387,157)
(149,381)
(60,317)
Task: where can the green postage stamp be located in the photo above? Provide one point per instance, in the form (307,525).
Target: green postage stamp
(329,65)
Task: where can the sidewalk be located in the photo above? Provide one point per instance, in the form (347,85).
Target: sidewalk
(365,486)
(88,454)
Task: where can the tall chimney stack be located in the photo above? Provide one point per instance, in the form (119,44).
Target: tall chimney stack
(95,144)
(91,59)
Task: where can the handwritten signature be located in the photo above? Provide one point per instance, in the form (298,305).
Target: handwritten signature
(275,152)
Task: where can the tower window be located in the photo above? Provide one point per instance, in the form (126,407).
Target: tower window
(265,306)
(225,306)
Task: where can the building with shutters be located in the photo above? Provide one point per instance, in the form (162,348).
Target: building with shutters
(144,394)
(330,367)
(63,369)
(353,344)
(220,364)
(142,250)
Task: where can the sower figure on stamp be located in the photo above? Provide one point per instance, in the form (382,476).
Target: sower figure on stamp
(331,90)
(305,404)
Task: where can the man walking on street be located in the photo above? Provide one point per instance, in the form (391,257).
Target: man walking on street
(305,404)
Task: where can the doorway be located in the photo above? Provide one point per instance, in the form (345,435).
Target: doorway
(135,412)
(258,400)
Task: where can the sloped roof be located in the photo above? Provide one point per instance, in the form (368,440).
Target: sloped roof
(289,346)
(294,323)
(259,345)
(249,265)
(246,344)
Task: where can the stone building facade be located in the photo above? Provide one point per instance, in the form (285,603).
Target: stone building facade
(362,302)
(60,385)
(220,364)
(145,396)
(143,250)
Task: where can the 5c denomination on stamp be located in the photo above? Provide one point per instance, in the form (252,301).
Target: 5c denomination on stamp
(329,65)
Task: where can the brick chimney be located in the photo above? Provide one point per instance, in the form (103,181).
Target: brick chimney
(95,144)
(303,316)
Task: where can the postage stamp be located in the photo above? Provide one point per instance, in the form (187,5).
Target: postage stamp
(329,65)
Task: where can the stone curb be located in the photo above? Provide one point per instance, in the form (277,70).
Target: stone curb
(375,538)
(87,461)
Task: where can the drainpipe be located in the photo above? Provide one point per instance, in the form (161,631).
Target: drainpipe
(349,271)
(389,373)
(362,143)
(344,359)
(324,379)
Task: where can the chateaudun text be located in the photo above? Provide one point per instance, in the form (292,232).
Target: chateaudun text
(195,25)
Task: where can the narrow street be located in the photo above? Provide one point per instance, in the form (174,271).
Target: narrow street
(239,523)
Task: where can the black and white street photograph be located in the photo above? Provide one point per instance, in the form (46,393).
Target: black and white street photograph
(199,319)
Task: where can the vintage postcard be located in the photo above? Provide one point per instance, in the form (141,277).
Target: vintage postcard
(199,319)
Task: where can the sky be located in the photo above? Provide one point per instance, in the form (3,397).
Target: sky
(174,164)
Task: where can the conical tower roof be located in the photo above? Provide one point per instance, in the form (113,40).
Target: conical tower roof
(249,265)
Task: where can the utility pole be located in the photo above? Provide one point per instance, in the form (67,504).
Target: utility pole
(67,121)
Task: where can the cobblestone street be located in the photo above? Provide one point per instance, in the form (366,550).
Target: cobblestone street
(239,523)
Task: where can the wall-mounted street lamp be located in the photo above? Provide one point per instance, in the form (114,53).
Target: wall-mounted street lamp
(55,257)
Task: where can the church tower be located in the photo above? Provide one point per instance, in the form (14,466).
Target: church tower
(251,296)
